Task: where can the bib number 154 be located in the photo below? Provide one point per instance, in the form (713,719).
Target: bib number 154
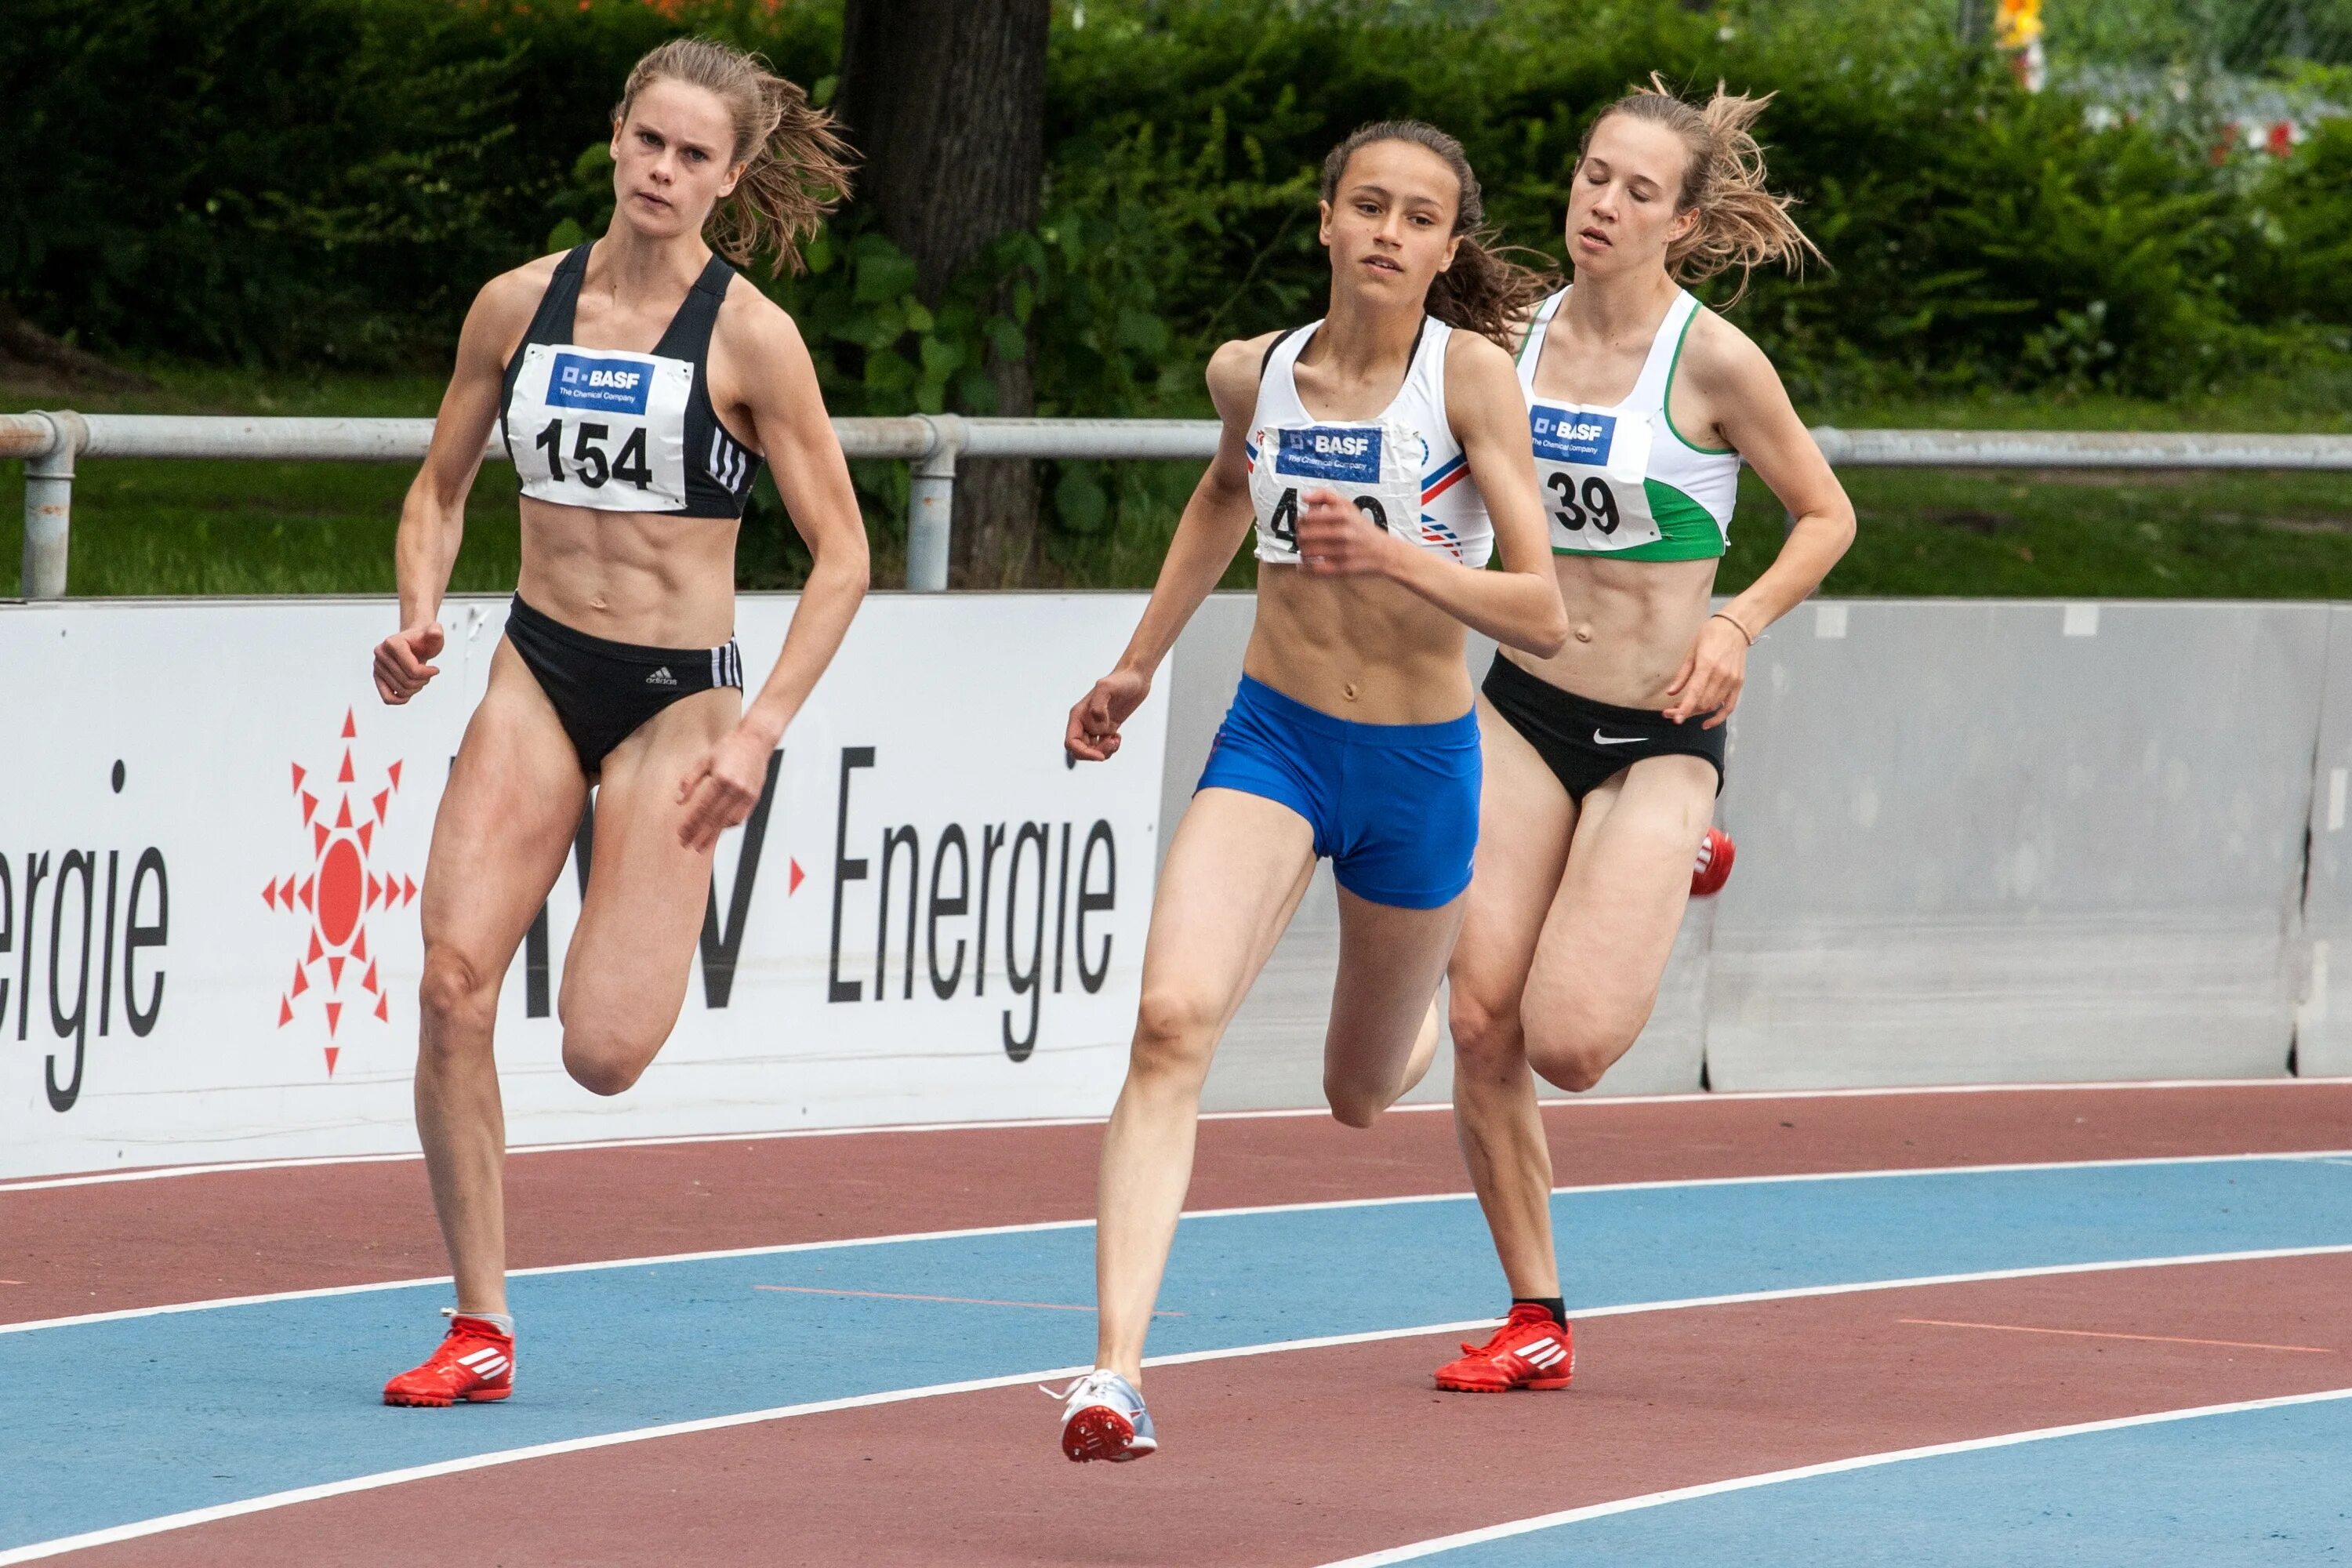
(592,465)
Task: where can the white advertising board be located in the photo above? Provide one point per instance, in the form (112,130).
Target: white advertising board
(212,835)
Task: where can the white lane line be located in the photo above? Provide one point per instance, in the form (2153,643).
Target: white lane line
(1589,1104)
(1316,1205)
(192,1517)
(1807,1472)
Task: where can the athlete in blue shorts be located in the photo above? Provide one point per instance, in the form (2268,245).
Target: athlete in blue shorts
(1381,455)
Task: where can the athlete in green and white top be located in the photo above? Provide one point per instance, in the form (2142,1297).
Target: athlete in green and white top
(1602,760)
(1621,480)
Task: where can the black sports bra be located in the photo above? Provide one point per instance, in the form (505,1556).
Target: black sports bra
(617,431)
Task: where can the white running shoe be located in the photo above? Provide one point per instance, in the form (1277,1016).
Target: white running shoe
(1103,1417)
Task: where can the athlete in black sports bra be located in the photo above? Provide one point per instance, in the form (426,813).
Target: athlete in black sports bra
(639,384)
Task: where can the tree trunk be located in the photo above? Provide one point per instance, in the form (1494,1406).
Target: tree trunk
(946,101)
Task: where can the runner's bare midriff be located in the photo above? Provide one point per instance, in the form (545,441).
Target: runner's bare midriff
(654,579)
(1358,649)
(1630,624)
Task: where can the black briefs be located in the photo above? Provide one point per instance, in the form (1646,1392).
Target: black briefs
(604,690)
(1583,742)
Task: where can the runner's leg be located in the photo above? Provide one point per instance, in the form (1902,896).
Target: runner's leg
(1390,961)
(506,823)
(1526,819)
(632,956)
(1612,928)
(1234,875)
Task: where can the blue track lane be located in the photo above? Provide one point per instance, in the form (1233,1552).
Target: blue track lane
(2253,1489)
(105,1424)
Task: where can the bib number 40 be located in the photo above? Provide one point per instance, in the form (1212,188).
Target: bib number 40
(592,465)
(1598,505)
(1284,524)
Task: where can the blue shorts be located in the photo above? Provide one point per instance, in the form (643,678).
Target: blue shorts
(1395,807)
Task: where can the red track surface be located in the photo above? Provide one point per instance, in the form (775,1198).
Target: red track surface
(1302,1458)
(134,1244)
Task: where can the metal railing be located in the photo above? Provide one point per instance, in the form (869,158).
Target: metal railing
(933,444)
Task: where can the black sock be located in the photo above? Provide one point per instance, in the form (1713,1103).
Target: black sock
(1556,1305)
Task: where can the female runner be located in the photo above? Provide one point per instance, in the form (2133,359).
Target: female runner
(640,384)
(1603,759)
(1347,444)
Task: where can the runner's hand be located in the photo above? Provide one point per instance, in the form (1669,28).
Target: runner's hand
(401,671)
(1713,673)
(721,788)
(1337,539)
(1093,732)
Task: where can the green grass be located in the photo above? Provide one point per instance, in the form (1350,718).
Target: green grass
(234,528)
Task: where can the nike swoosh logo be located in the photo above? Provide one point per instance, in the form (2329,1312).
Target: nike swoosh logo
(1601,740)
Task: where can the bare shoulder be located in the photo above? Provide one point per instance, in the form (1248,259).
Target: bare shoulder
(1233,370)
(511,297)
(1475,353)
(749,317)
(1720,359)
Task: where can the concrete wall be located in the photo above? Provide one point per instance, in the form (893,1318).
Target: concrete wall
(1980,841)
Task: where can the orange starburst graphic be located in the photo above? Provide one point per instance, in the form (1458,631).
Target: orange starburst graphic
(340,889)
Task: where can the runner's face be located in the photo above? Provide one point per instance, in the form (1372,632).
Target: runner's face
(1390,226)
(1621,204)
(671,159)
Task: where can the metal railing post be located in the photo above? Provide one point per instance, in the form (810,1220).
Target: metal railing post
(930,504)
(49,508)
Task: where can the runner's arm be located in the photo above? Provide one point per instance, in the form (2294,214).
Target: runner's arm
(1758,419)
(1216,521)
(432,513)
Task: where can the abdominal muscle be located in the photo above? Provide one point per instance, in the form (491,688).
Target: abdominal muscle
(1631,624)
(1357,649)
(654,579)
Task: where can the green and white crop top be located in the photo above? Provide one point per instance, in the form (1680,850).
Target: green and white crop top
(1622,481)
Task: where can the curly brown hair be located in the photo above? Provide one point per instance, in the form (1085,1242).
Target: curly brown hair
(1741,222)
(796,166)
(1486,291)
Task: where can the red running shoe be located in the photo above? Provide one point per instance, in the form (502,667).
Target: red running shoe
(1529,1350)
(475,1363)
(1713,869)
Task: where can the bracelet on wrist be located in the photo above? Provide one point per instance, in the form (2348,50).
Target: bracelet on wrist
(1743,631)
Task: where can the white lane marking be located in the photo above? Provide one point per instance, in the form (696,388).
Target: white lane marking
(192,1517)
(1582,1103)
(1808,1473)
(2321,1156)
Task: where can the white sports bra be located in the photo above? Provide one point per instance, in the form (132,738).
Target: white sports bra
(1404,469)
(1622,480)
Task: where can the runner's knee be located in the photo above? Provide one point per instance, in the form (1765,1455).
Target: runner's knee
(1573,1049)
(1175,1033)
(456,1001)
(1485,1039)
(606,1060)
(1354,1103)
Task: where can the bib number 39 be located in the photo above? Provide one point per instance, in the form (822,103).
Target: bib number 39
(1284,524)
(593,466)
(1596,504)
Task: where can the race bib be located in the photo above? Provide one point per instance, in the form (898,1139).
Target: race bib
(602,428)
(1591,464)
(1376,466)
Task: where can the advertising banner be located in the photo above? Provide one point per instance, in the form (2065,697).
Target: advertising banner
(214,836)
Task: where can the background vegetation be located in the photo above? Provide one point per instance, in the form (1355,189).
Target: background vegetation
(289,202)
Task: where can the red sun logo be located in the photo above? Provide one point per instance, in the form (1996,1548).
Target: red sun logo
(339,890)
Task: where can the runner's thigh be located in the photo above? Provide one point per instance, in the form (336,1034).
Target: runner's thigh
(1233,878)
(625,974)
(1524,819)
(1390,961)
(1605,946)
(506,823)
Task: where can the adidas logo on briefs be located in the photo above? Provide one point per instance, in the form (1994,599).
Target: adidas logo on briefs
(1544,1353)
(661,676)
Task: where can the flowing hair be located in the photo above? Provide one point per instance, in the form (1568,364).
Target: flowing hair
(796,166)
(1741,221)
(1486,291)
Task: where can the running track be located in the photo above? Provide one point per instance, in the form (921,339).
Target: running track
(2073,1258)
